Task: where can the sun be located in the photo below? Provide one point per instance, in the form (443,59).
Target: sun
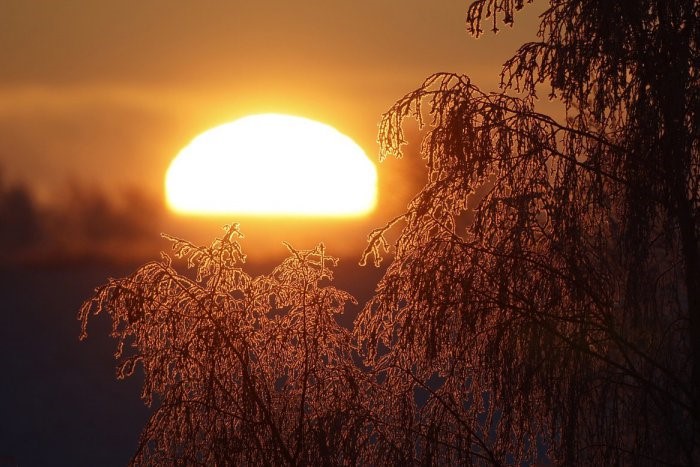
(272,165)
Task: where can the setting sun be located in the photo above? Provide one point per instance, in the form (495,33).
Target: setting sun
(272,164)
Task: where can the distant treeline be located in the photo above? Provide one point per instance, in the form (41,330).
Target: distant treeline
(80,223)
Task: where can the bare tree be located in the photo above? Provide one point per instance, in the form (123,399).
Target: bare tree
(545,290)
(244,370)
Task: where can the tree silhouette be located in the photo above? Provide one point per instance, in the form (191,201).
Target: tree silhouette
(566,313)
(543,299)
(245,370)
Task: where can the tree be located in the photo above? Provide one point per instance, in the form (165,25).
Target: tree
(566,313)
(542,303)
(245,370)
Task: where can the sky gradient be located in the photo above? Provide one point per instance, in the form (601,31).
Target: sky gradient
(108,92)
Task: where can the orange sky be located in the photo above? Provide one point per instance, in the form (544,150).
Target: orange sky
(105,93)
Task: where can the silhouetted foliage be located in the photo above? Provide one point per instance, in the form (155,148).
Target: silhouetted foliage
(568,312)
(245,370)
(544,291)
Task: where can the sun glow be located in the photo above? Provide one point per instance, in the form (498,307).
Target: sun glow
(272,164)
